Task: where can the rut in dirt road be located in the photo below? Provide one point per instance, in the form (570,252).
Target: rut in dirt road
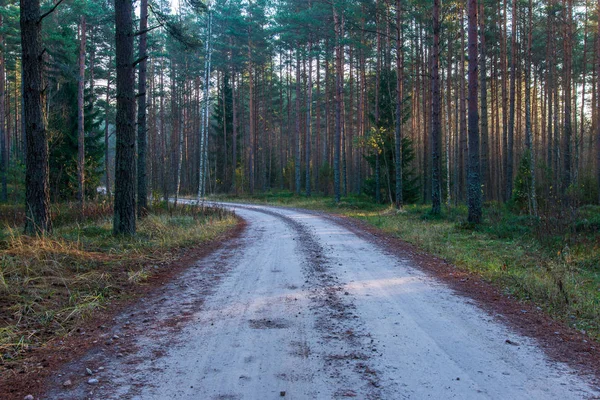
(302,308)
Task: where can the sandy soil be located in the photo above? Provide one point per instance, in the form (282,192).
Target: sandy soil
(300,307)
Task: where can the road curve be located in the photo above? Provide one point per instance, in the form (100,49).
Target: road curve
(305,309)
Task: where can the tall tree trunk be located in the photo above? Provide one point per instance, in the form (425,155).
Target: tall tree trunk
(142,177)
(317,161)
(505,95)
(377,89)
(297,145)
(80,116)
(3,125)
(449,124)
(308,143)
(598,108)
(37,197)
(511,121)
(549,88)
(436,113)
(175,130)
(234,186)
(251,110)
(528,128)
(338,105)
(568,128)
(124,205)
(580,140)
(399,99)
(474,178)
(463,144)
(203,168)
(106,133)
(180,121)
(484,104)
(163,135)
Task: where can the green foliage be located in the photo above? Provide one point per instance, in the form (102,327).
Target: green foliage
(521,199)
(382,141)
(223,122)
(62,124)
(325,178)
(410,180)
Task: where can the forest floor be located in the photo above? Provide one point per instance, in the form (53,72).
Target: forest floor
(57,288)
(307,305)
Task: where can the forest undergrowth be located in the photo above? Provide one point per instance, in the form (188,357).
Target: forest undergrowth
(49,284)
(552,260)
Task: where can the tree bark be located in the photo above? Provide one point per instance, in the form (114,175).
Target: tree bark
(37,197)
(474,177)
(598,109)
(399,100)
(81,117)
(436,113)
(338,105)
(528,128)
(3,125)
(568,128)
(142,142)
(106,133)
(297,146)
(511,121)
(484,166)
(463,139)
(308,139)
(124,204)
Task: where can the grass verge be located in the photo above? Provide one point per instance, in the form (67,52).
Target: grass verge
(553,260)
(48,284)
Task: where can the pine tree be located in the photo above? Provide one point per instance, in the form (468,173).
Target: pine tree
(37,195)
(124,203)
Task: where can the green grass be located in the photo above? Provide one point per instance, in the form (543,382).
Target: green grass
(48,284)
(553,261)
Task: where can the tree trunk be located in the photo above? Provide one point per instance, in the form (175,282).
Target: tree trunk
(528,128)
(203,168)
(598,110)
(80,116)
(473,178)
(124,205)
(399,99)
(142,178)
(106,134)
(511,121)
(338,105)
(568,128)
(436,113)
(234,187)
(308,120)
(251,107)
(3,127)
(484,167)
(462,164)
(297,146)
(37,197)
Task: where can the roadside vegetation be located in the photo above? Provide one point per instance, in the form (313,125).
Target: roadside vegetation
(50,283)
(551,260)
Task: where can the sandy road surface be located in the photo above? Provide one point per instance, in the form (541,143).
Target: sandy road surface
(301,308)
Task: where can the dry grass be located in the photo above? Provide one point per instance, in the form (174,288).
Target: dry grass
(48,284)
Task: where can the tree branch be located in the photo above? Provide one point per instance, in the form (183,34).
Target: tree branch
(138,33)
(50,11)
(139,60)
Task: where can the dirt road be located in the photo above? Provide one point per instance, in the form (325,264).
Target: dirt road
(302,308)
